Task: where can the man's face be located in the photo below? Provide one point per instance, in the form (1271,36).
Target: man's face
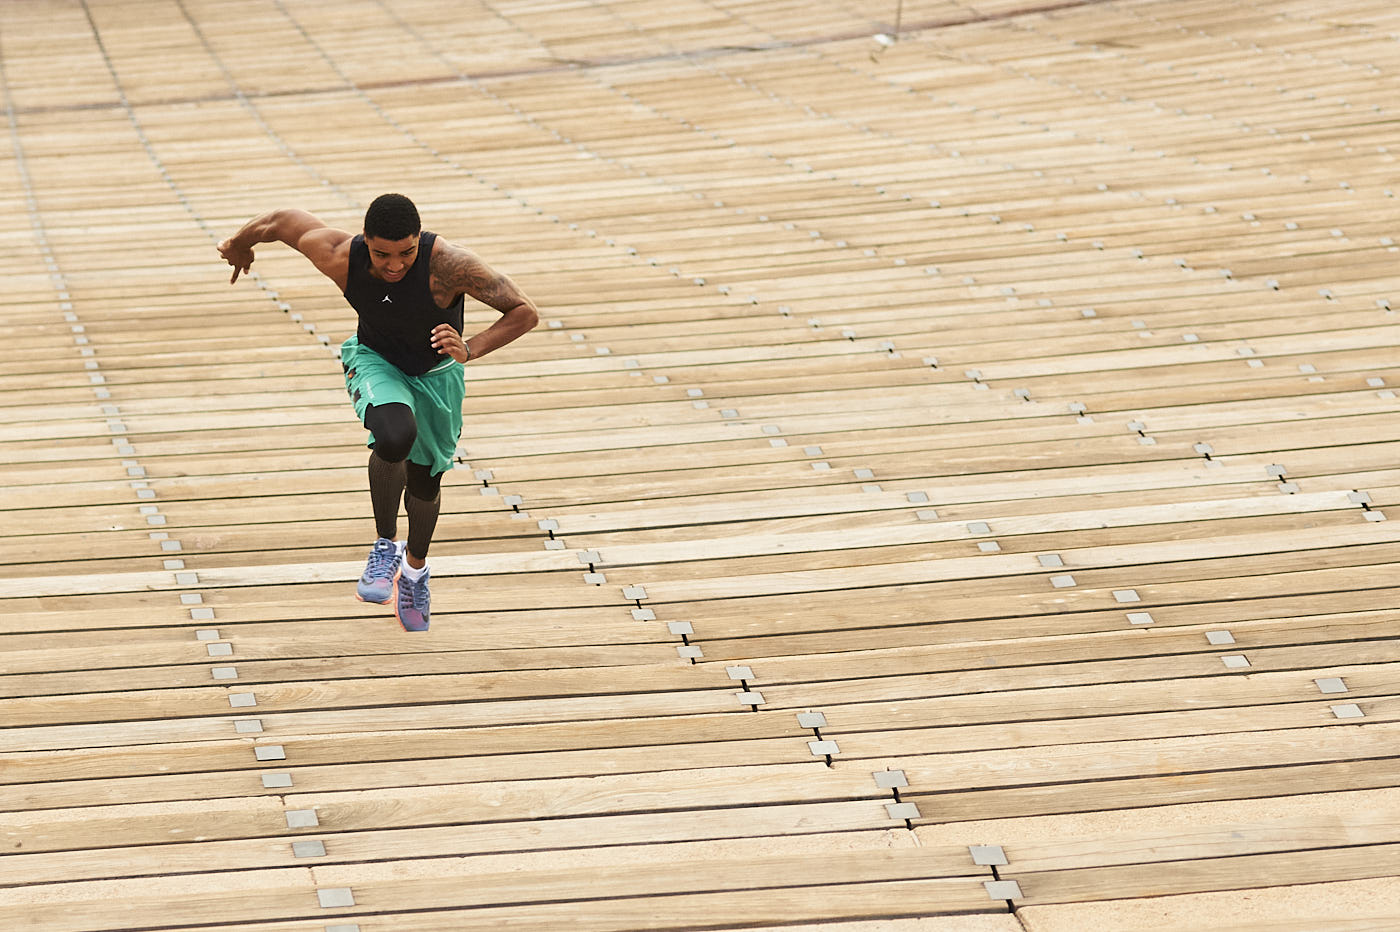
(390,259)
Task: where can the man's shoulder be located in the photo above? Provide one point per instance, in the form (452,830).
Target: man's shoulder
(329,250)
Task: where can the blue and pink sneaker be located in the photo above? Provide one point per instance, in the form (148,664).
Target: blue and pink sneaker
(377,582)
(411,601)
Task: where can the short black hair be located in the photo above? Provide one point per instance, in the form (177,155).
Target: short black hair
(392,217)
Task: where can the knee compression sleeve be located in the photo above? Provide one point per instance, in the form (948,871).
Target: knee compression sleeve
(394,429)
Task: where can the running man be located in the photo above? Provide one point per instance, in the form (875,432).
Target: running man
(403,368)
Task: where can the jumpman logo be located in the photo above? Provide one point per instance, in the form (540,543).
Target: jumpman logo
(386,300)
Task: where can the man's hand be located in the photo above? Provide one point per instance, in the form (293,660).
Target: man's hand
(240,257)
(448,342)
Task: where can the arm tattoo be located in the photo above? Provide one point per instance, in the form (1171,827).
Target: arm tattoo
(460,272)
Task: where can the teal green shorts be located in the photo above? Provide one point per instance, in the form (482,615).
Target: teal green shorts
(435,398)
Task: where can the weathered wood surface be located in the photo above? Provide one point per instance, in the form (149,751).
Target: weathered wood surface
(1009,403)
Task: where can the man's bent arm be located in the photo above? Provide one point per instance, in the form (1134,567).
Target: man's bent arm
(459,271)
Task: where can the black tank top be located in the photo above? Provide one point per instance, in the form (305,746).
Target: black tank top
(397,318)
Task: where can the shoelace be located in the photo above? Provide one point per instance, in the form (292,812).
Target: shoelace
(381,561)
(417,591)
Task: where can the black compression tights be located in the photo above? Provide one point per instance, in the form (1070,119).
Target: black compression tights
(391,475)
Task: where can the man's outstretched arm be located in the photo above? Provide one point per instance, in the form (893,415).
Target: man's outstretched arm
(302,231)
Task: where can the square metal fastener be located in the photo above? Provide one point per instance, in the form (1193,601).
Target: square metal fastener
(1003,889)
(302,818)
(823,748)
(1062,582)
(224,673)
(207,634)
(220,649)
(987,854)
(979,527)
(634,592)
(191,598)
(811,720)
(594,579)
(739,673)
(988,546)
(690,651)
(902,810)
(680,627)
(242,700)
(270,752)
(1126,595)
(308,849)
(589,556)
(1235,661)
(1331,684)
(248,726)
(917,498)
(1349,710)
(275,781)
(1220,637)
(203,613)
(643,614)
(926,514)
(890,779)
(865,473)
(344,927)
(752,697)
(1050,559)
(1140,618)
(335,897)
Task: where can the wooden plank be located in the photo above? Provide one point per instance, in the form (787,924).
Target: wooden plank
(1354,862)
(388,808)
(1346,906)
(554,838)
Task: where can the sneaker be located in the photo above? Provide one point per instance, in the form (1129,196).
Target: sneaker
(377,583)
(411,601)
